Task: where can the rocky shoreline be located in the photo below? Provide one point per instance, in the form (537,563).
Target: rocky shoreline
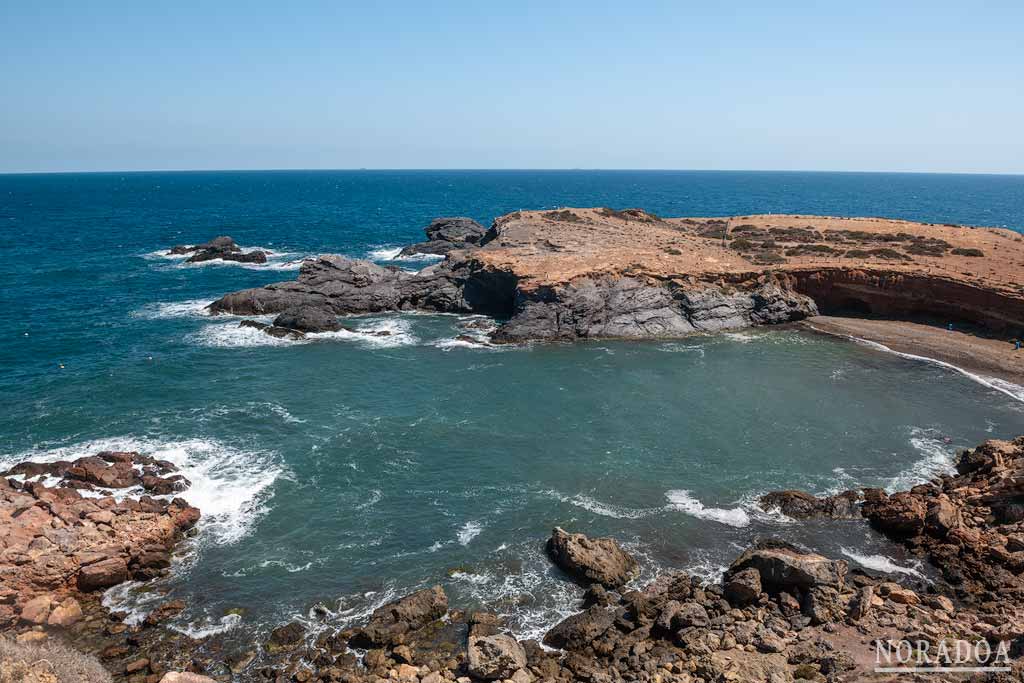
(601,273)
(781,613)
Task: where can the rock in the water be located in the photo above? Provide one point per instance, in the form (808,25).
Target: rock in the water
(447,234)
(308,319)
(592,560)
(495,657)
(783,566)
(802,505)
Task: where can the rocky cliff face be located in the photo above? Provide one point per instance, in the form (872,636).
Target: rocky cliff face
(580,273)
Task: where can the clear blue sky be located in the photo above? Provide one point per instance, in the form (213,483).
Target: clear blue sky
(856,85)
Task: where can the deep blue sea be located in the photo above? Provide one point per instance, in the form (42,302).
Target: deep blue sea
(351,470)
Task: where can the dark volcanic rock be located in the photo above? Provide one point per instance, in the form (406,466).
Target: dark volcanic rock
(287,637)
(802,505)
(223,248)
(447,234)
(592,560)
(579,629)
(308,319)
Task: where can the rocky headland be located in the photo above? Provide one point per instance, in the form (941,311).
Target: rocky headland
(781,613)
(586,273)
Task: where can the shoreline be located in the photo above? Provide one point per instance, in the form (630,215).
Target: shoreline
(961,351)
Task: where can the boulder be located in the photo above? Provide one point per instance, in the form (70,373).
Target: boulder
(389,624)
(803,505)
(286,638)
(495,657)
(67,613)
(37,610)
(784,566)
(592,560)
(308,319)
(579,629)
(901,514)
(103,574)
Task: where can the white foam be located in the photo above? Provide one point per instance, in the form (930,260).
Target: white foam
(673,347)
(233,335)
(683,501)
(399,334)
(385,252)
(468,532)
(230,486)
(607,510)
(1014,391)
(276,260)
(938,458)
(173,309)
(881,563)
(209,627)
(127,599)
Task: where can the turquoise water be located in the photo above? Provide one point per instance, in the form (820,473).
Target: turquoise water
(351,470)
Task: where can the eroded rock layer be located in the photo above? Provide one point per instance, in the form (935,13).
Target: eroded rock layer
(578,273)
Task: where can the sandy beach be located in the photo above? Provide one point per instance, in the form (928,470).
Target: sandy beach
(991,357)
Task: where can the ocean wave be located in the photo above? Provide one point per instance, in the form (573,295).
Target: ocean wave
(389,253)
(606,510)
(938,458)
(468,532)
(683,501)
(881,563)
(130,600)
(233,336)
(231,487)
(173,309)
(209,627)
(675,347)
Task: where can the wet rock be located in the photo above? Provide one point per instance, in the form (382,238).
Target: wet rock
(285,638)
(164,612)
(495,657)
(598,560)
(782,565)
(308,319)
(802,505)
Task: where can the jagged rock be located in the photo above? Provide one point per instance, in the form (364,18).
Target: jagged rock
(495,657)
(579,629)
(597,560)
(862,604)
(67,613)
(745,667)
(802,505)
(285,638)
(783,566)
(223,248)
(743,587)
(389,623)
(308,319)
(901,514)
(822,604)
(447,234)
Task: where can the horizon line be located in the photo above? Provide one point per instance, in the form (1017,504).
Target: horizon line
(499,170)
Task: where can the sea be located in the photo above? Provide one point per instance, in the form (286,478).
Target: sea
(341,473)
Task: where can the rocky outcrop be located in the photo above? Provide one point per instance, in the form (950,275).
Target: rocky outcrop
(592,560)
(308,319)
(56,544)
(346,286)
(494,657)
(390,624)
(447,234)
(803,505)
(593,273)
(782,566)
(222,248)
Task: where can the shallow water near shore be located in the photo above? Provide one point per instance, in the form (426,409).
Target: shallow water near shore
(350,469)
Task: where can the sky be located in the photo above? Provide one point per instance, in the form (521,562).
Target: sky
(858,85)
